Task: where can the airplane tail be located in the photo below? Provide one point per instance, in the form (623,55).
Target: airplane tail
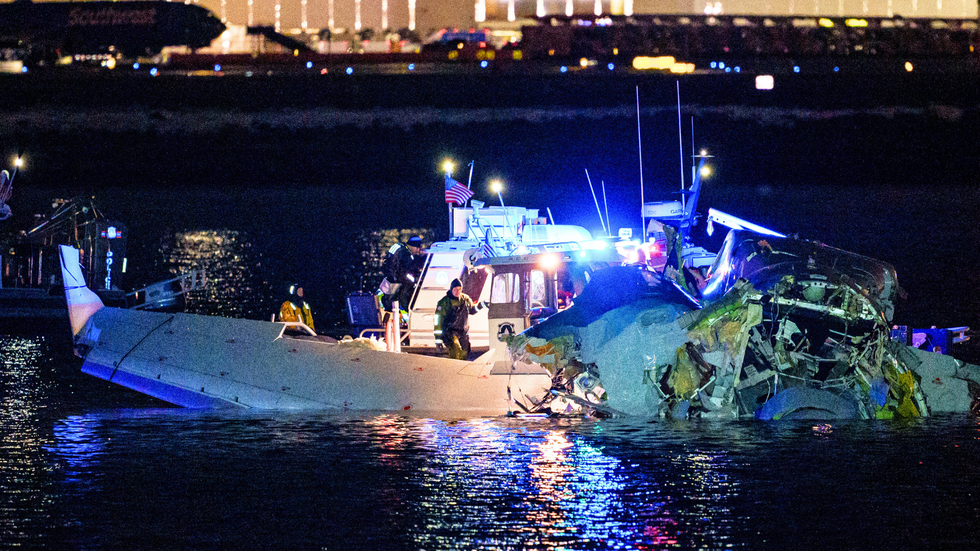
(82,302)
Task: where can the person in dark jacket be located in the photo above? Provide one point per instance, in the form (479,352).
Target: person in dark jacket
(401,269)
(452,320)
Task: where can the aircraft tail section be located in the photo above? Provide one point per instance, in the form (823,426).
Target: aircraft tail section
(82,302)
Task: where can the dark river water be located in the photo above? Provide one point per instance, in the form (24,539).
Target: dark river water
(285,191)
(82,468)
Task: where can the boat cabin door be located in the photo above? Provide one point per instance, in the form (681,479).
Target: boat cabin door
(520,295)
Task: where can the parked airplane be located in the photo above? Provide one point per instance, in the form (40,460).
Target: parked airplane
(45,30)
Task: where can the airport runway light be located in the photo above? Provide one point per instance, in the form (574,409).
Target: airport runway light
(497,187)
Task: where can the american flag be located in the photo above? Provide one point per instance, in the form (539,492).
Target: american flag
(457,192)
(487,250)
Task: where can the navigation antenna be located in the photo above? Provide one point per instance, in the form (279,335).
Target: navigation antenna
(680,140)
(639,145)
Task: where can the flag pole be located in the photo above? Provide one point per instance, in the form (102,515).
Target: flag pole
(470,180)
(449,204)
(639,141)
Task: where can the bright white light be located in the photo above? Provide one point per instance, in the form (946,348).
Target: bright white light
(712,8)
(481,11)
(549,262)
(764,82)
(539,9)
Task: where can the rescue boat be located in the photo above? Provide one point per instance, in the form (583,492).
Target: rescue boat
(204,361)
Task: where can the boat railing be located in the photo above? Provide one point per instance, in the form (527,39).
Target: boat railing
(296,325)
(162,292)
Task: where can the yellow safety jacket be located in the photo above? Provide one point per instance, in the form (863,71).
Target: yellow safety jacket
(291,312)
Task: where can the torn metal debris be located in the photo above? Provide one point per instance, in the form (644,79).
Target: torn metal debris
(777,328)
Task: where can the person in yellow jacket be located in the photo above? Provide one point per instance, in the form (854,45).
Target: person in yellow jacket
(295,308)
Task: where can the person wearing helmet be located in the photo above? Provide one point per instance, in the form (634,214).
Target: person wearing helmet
(295,308)
(452,320)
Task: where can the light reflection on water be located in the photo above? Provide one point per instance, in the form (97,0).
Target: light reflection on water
(77,471)
(209,479)
(248,273)
(228,260)
(22,467)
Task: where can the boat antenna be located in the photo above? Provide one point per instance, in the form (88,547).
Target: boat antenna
(639,143)
(604,230)
(550,217)
(680,140)
(606,204)
(694,152)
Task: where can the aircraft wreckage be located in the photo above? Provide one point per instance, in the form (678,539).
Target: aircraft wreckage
(779,328)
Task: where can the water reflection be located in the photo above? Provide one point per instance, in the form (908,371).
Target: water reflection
(76,449)
(26,393)
(491,483)
(231,266)
(248,271)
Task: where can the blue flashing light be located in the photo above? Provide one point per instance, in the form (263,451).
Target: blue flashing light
(721,64)
(350,70)
(836,69)
(563,69)
(217,68)
(23,69)
(484,64)
(594,245)
(611,66)
(738,69)
(728,69)
(411,66)
(714,64)
(796,68)
(309,64)
(153,71)
(136,66)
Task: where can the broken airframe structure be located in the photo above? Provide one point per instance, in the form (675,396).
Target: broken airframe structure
(775,328)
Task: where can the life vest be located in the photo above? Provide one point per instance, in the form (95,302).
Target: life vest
(293,312)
